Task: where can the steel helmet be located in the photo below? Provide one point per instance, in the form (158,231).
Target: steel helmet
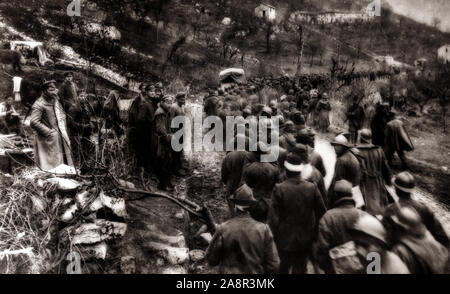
(405,182)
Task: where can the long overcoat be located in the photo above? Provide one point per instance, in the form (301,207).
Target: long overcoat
(52,143)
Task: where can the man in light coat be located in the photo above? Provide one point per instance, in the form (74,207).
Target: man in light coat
(48,120)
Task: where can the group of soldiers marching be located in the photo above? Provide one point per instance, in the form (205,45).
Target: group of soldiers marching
(283,217)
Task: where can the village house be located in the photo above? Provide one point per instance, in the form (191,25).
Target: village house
(266,11)
(444,54)
(328,17)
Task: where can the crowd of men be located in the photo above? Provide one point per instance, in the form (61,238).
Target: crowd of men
(282,217)
(64,121)
(150,132)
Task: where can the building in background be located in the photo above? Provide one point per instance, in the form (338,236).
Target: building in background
(444,54)
(267,11)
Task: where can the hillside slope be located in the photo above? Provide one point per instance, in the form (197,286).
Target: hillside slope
(186,40)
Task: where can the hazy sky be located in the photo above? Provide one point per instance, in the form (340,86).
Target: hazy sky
(424,11)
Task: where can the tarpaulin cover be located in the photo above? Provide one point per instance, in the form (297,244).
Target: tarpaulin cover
(235,73)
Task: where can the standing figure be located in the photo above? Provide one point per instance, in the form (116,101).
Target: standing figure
(355,116)
(404,184)
(211,105)
(414,244)
(298,120)
(375,174)
(369,235)
(323,109)
(177,109)
(396,140)
(80,128)
(140,128)
(287,136)
(347,165)
(307,137)
(378,124)
(111,113)
(232,168)
(9,118)
(68,91)
(243,245)
(163,137)
(336,225)
(261,177)
(295,211)
(48,120)
(313,115)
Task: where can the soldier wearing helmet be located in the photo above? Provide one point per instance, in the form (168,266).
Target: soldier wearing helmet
(257,252)
(404,184)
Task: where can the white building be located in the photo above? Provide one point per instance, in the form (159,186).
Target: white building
(328,17)
(267,11)
(444,54)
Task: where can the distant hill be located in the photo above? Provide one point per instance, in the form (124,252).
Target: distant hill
(424,11)
(190,42)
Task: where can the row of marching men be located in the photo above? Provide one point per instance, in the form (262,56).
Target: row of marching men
(284,219)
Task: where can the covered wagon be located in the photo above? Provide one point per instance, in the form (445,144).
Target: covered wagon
(231,76)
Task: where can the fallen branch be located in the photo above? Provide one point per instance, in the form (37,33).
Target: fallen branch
(27,251)
(203,213)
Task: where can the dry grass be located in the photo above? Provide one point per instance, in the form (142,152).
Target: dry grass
(26,227)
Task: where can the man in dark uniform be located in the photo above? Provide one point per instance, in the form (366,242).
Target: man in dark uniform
(336,225)
(396,139)
(261,177)
(232,167)
(80,128)
(347,165)
(404,188)
(68,91)
(355,116)
(306,137)
(163,138)
(243,245)
(378,124)
(295,211)
(375,174)
(177,109)
(9,118)
(140,126)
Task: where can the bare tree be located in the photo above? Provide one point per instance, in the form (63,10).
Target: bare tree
(268,30)
(441,86)
(300,44)
(436,23)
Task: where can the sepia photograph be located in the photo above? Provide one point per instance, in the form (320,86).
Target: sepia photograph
(201,139)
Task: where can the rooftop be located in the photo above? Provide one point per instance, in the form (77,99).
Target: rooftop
(268,5)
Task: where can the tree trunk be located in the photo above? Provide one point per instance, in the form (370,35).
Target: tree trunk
(300,53)
(268,41)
